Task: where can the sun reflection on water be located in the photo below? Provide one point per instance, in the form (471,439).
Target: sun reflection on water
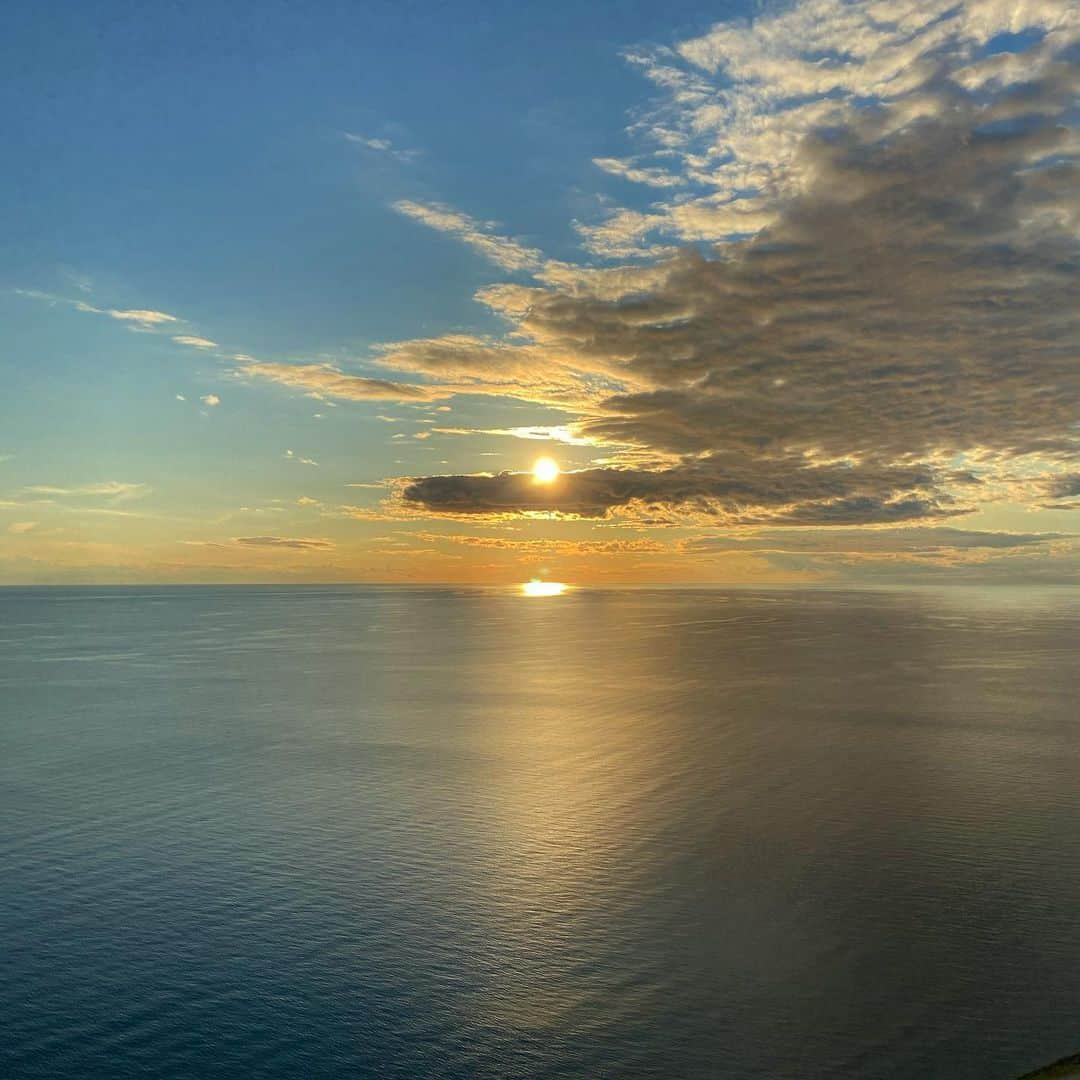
(536,587)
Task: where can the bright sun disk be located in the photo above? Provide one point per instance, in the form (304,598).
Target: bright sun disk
(545,470)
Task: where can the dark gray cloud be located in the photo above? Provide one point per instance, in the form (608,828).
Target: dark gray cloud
(728,488)
(919,297)
(1063,492)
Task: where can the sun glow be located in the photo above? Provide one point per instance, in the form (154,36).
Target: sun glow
(545,470)
(536,587)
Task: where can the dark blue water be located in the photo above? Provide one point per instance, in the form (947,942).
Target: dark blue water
(336,832)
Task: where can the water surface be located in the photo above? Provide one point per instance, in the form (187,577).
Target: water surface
(327,832)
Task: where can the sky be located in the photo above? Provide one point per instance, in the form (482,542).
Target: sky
(301,292)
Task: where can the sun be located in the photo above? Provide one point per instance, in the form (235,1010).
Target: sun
(545,470)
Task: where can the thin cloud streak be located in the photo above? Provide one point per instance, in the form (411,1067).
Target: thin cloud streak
(478,235)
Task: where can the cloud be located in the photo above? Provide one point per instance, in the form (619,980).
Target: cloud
(534,433)
(627,170)
(931,541)
(1062,492)
(728,490)
(137,318)
(479,235)
(325,379)
(548,548)
(116,490)
(140,317)
(18,528)
(381,146)
(210,400)
(903,555)
(893,338)
(297,543)
(459,364)
(194,342)
(736,102)
(82,282)
(364,513)
(876,323)
(469,364)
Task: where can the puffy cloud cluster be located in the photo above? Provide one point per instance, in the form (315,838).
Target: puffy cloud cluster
(737,102)
(904,326)
(883,325)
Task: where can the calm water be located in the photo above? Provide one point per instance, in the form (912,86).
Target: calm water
(334,832)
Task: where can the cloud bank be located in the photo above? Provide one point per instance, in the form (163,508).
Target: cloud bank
(886,326)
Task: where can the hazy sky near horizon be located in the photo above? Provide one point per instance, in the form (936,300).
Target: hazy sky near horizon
(301,292)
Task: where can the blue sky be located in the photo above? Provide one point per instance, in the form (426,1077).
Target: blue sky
(194,155)
(420,193)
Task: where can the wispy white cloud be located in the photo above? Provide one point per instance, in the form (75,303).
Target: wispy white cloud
(319,379)
(536,432)
(194,342)
(83,282)
(381,146)
(479,235)
(136,318)
(535,548)
(299,543)
(275,543)
(117,490)
(637,174)
(210,400)
(140,317)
